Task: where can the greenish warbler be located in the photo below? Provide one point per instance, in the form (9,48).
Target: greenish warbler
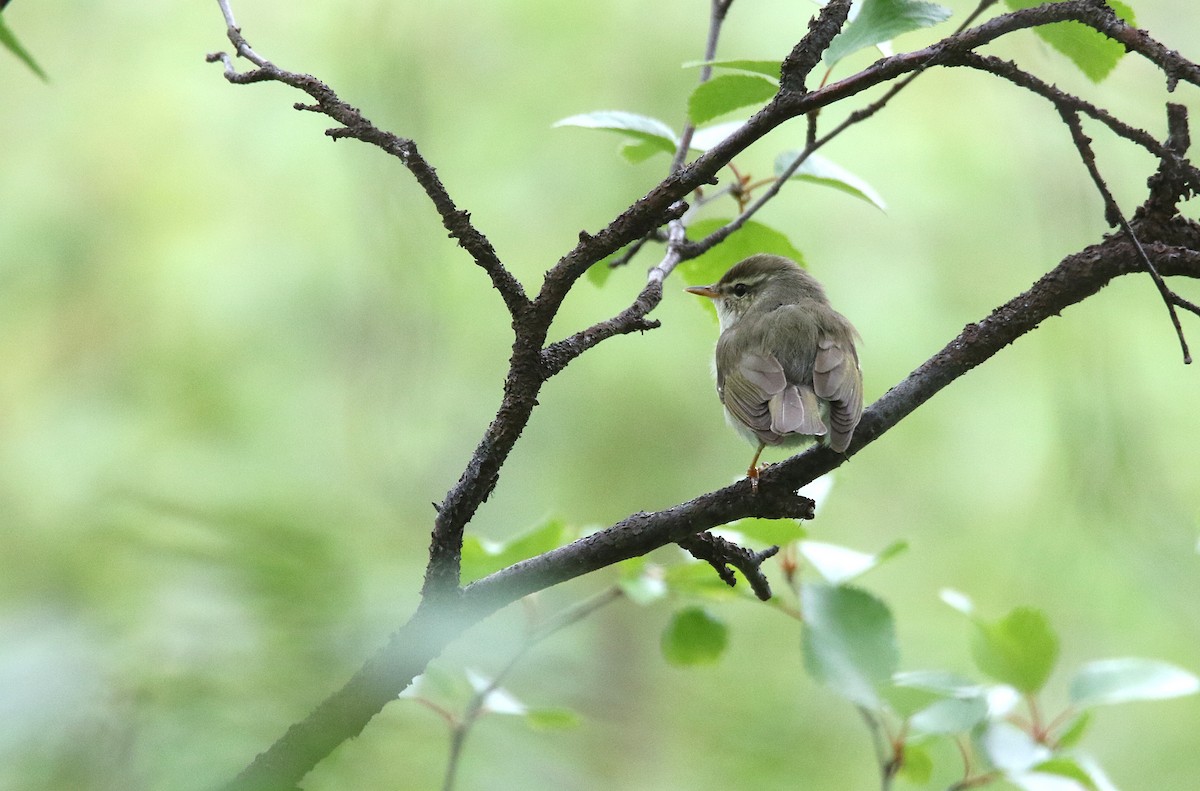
(787,369)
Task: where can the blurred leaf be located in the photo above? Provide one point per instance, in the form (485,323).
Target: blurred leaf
(642,130)
(641,581)
(838,564)
(1073,733)
(1109,681)
(1019,649)
(498,700)
(1011,749)
(849,641)
(707,137)
(552,719)
(767,68)
(1065,766)
(637,151)
(750,239)
(481,558)
(9,41)
(958,600)
(907,701)
(697,578)
(917,765)
(446,688)
(727,93)
(949,716)
(770,531)
(694,637)
(883,20)
(597,273)
(941,682)
(817,169)
(1092,52)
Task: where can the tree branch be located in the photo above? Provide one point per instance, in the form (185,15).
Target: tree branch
(354,125)
(446,610)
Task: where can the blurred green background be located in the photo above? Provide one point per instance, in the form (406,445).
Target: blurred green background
(238,362)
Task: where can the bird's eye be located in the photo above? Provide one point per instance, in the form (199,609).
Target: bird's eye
(740,290)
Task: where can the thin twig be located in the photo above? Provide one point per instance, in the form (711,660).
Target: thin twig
(475,707)
(1116,217)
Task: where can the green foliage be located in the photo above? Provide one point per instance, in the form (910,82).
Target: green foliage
(1094,54)
(838,564)
(481,558)
(849,641)
(753,237)
(727,93)
(9,41)
(644,135)
(694,637)
(817,169)
(882,20)
(767,68)
(769,532)
(1110,681)
(1019,649)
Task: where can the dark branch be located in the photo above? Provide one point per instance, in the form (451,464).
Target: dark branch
(1115,216)
(354,125)
(721,554)
(805,56)
(556,356)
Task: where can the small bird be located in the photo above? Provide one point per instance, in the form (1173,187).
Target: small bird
(787,370)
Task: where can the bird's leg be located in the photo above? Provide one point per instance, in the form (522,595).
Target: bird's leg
(752,473)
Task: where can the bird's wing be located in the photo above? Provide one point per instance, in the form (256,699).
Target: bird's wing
(838,380)
(759,395)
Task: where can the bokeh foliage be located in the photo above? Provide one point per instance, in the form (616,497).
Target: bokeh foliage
(237,362)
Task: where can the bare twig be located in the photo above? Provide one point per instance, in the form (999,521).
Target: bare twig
(355,125)
(1116,217)
(721,554)
(461,727)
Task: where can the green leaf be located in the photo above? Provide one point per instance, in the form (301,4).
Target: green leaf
(767,68)
(637,151)
(707,137)
(647,135)
(1019,649)
(694,637)
(750,239)
(1065,766)
(9,41)
(849,641)
(949,716)
(496,700)
(769,531)
(727,93)
(958,600)
(597,274)
(819,170)
(697,578)
(448,689)
(481,558)
(940,682)
(1093,53)
(1109,681)
(641,581)
(1011,749)
(838,564)
(883,20)
(916,765)
(551,719)
(1073,733)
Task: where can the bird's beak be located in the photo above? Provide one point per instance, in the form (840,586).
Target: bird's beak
(702,291)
